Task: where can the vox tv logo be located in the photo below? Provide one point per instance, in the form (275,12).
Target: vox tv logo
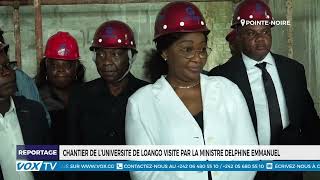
(35,166)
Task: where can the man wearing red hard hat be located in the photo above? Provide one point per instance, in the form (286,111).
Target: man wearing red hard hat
(98,108)
(274,86)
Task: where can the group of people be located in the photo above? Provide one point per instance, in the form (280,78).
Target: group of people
(256,97)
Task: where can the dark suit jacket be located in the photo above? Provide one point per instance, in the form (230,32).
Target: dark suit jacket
(95,117)
(33,124)
(304,121)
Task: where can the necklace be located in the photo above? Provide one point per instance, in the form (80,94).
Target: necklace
(186,87)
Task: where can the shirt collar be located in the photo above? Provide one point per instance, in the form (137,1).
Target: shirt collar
(250,63)
(12,106)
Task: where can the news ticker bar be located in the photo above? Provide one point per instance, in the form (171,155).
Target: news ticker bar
(168,165)
(166,152)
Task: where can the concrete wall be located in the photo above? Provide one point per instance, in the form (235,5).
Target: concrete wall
(306,29)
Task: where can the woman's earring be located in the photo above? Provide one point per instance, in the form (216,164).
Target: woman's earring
(163,57)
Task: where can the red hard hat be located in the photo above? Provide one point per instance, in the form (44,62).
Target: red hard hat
(251,10)
(180,16)
(113,34)
(231,36)
(62,46)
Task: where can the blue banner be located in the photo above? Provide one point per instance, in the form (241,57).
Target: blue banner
(38,152)
(168,165)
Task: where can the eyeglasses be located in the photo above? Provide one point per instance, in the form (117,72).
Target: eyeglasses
(189,52)
(115,54)
(8,66)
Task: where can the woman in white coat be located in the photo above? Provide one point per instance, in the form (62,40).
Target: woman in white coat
(185,107)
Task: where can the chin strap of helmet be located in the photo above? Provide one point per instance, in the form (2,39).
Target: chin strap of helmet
(131,60)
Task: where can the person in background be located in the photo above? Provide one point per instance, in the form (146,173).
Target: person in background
(274,86)
(25,85)
(60,72)
(185,107)
(231,39)
(22,122)
(97,108)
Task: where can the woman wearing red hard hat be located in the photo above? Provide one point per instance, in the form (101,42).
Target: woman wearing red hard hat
(60,71)
(183,106)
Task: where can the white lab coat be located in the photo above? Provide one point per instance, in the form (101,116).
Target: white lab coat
(156,116)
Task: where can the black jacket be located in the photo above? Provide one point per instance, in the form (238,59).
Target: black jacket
(34,126)
(304,120)
(58,113)
(96,117)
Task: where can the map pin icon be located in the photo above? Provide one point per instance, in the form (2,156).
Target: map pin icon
(242,21)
